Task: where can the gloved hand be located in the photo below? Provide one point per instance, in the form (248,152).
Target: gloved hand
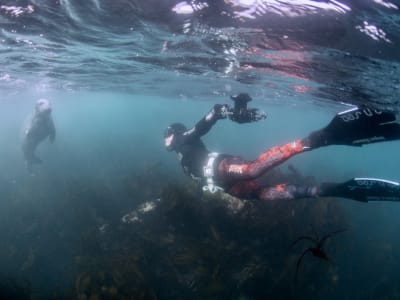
(222,111)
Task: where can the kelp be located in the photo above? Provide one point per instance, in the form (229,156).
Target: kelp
(195,245)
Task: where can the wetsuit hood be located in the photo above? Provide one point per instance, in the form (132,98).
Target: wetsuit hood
(171,133)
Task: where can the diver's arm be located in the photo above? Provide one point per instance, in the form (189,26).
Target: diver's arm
(219,111)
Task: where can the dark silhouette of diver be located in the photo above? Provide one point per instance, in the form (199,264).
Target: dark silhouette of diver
(317,250)
(354,127)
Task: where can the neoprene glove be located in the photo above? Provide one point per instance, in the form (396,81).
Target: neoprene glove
(221,110)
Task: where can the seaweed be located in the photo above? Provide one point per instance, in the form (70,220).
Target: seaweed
(195,245)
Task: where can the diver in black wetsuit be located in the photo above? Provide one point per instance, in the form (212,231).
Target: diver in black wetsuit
(234,175)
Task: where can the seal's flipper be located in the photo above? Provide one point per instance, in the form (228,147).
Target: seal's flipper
(357,127)
(363,189)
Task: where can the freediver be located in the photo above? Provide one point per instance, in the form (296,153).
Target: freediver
(354,127)
(40,127)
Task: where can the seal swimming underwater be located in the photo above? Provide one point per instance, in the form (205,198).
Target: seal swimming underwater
(40,127)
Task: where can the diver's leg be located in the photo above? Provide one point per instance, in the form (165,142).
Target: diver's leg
(359,189)
(255,189)
(354,127)
(244,189)
(235,168)
(287,192)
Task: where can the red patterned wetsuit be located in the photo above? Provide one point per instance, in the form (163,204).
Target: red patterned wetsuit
(239,177)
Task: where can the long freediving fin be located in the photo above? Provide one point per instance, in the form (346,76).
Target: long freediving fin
(357,127)
(363,189)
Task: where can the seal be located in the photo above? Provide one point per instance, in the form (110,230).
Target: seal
(40,127)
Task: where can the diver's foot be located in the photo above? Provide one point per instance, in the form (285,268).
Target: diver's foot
(315,140)
(305,191)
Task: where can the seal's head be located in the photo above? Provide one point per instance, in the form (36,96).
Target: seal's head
(43,106)
(171,133)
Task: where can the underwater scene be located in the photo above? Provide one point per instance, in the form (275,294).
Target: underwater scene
(225,149)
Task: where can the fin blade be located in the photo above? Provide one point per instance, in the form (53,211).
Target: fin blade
(360,126)
(364,189)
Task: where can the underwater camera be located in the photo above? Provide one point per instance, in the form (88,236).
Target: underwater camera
(241,114)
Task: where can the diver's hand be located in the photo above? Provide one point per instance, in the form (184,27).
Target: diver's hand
(222,111)
(247,115)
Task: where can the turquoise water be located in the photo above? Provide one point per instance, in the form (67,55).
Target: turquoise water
(104,140)
(117,73)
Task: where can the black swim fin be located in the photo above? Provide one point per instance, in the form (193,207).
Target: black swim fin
(357,127)
(363,189)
